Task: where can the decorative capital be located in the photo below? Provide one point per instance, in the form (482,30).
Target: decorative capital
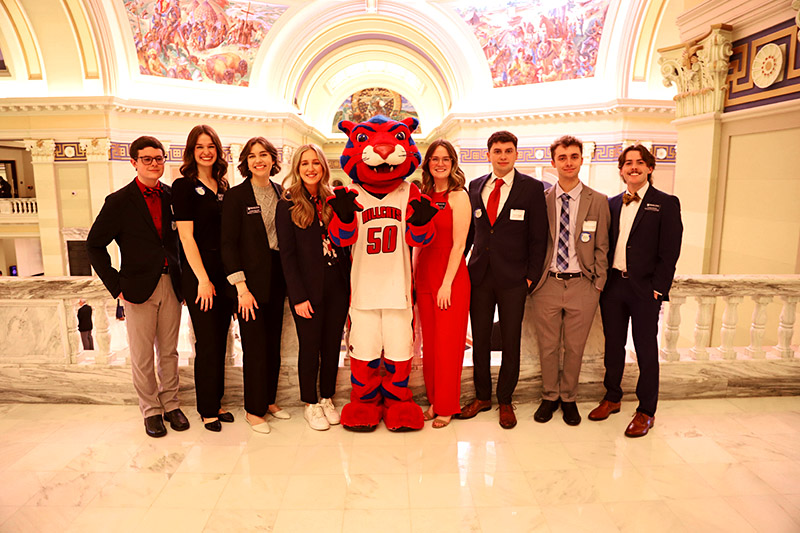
(698,69)
(287,152)
(588,151)
(96,149)
(236,151)
(796,6)
(42,150)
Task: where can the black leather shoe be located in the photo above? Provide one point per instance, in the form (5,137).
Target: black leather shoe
(571,415)
(225,417)
(177,420)
(154,426)
(213,426)
(545,411)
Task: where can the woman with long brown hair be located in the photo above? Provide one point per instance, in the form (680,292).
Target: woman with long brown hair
(252,261)
(318,281)
(197,201)
(442,283)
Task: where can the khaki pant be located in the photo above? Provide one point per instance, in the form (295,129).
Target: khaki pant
(155,323)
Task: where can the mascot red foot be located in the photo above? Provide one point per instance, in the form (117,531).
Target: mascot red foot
(379,216)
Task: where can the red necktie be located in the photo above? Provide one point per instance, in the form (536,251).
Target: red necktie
(494,201)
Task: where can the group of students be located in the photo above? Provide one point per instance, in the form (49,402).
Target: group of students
(242,250)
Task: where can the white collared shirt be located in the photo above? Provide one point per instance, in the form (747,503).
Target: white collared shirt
(508,181)
(574,203)
(626,216)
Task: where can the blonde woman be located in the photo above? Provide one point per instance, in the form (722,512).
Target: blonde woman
(318,281)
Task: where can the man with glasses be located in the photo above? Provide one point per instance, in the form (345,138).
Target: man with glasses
(139,219)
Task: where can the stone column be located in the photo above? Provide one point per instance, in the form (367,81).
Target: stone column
(44,174)
(698,69)
(97,151)
(233,174)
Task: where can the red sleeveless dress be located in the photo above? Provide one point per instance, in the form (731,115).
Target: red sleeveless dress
(444,332)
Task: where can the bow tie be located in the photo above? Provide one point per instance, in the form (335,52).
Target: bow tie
(153,191)
(628,198)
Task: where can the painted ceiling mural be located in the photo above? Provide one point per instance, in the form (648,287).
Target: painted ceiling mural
(536,41)
(366,103)
(200,40)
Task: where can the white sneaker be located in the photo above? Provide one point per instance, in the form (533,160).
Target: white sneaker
(330,412)
(315,417)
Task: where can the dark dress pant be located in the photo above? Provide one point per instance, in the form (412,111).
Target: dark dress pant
(510,304)
(320,339)
(261,345)
(619,303)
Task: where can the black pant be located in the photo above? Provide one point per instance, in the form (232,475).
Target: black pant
(261,344)
(211,341)
(510,304)
(618,304)
(320,339)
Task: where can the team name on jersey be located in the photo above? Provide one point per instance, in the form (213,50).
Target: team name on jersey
(380,212)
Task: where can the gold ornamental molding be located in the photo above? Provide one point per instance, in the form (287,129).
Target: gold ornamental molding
(698,69)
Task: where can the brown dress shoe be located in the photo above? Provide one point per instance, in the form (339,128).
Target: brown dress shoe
(473,408)
(640,425)
(605,408)
(507,418)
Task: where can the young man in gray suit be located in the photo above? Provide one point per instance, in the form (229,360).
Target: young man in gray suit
(565,298)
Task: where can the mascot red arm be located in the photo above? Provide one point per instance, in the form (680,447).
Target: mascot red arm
(379,155)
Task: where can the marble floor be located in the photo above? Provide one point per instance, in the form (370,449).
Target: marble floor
(709,465)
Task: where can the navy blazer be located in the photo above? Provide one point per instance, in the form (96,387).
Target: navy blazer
(244,244)
(515,249)
(654,243)
(126,219)
(302,259)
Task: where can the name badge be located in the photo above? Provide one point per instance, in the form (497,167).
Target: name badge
(517,214)
(253,209)
(585,236)
(478,213)
(652,207)
(589,225)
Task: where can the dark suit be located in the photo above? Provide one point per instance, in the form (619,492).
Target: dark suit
(310,278)
(152,298)
(245,248)
(652,251)
(503,257)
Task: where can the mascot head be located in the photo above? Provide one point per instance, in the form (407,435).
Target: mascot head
(380,152)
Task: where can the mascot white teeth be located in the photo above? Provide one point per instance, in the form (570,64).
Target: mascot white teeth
(387,215)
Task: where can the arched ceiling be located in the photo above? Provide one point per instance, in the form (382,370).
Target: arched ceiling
(314,55)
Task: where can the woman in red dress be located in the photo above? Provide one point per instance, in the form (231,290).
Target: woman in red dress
(442,283)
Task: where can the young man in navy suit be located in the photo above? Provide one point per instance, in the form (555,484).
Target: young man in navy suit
(139,218)
(510,228)
(644,245)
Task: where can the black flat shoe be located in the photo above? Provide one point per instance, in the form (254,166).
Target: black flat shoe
(177,420)
(571,415)
(225,417)
(213,426)
(545,411)
(154,426)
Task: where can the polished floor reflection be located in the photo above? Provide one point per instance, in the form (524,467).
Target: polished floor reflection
(708,465)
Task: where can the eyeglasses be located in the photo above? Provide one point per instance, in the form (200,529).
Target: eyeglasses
(147,160)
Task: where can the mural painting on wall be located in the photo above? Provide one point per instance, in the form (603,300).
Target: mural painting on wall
(536,41)
(200,40)
(364,104)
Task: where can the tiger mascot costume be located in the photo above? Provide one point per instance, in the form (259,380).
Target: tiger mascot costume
(380,216)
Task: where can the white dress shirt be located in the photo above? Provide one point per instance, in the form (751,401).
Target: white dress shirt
(574,203)
(508,181)
(626,216)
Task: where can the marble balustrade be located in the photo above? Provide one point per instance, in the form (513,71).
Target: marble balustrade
(19,209)
(42,360)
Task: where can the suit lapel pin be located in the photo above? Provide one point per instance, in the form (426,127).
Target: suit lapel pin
(478,213)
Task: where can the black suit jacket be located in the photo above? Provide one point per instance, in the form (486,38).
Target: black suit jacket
(515,249)
(654,243)
(302,259)
(125,219)
(244,245)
